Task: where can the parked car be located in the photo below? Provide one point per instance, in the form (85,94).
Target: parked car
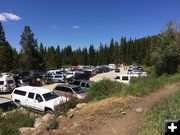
(136,71)
(124,78)
(71,91)
(112,66)
(36,98)
(83,83)
(7,83)
(78,76)
(6,104)
(58,78)
(69,74)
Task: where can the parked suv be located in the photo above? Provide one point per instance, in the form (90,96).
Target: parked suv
(6,104)
(58,78)
(70,91)
(7,83)
(40,99)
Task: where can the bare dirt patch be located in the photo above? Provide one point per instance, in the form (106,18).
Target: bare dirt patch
(105,117)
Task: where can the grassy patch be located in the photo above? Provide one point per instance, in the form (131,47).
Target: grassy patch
(11,121)
(138,86)
(104,89)
(145,85)
(154,119)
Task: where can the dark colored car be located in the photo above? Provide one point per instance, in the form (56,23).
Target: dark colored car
(6,104)
(79,76)
(117,70)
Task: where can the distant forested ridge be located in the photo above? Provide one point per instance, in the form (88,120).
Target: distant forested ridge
(147,51)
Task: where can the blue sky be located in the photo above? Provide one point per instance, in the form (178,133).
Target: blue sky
(84,22)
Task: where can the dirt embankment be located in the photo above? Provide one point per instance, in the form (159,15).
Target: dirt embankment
(113,116)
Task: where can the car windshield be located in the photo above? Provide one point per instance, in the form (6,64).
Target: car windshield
(78,90)
(50,95)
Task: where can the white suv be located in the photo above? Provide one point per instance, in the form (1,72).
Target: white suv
(40,99)
(7,83)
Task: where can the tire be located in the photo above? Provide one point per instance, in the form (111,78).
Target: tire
(18,103)
(48,111)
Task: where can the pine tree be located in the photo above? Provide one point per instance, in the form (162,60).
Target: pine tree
(30,57)
(85,56)
(7,54)
(2,36)
(91,55)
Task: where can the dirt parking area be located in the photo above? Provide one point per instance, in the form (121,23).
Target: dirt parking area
(109,75)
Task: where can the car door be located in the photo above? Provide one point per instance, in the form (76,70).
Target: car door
(39,102)
(29,101)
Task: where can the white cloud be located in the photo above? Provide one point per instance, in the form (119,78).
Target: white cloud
(2,18)
(9,16)
(76,27)
(54,27)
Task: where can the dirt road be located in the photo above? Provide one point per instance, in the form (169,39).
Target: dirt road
(129,123)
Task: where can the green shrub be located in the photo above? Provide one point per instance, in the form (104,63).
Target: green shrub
(137,87)
(149,69)
(154,119)
(62,109)
(52,126)
(105,88)
(10,123)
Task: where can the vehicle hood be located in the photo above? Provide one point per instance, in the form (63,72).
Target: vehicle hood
(57,101)
(82,95)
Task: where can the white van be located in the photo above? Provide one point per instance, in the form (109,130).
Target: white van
(124,78)
(7,83)
(36,98)
(112,66)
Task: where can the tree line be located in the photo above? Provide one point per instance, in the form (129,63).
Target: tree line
(161,51)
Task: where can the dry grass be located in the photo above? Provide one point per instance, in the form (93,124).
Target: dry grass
(106,104)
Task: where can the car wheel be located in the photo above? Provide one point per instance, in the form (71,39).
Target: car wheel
(49,111)
(18,103)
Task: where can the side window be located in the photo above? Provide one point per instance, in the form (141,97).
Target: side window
(10,81)
(68,90)
(1,82)
(65,89)
(117,77)
(83,84)
(19,92)
(39,98)
(76,82)
(87,85)
(31,95)
(62,89)
(125,78)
